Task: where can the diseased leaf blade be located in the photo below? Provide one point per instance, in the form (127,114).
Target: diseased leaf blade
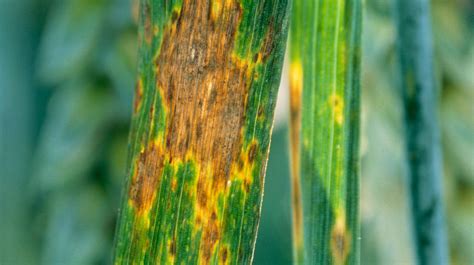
(324,83)
(208,76)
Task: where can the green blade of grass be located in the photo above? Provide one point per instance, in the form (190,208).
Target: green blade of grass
(422,138)
(324,82)
(207,82)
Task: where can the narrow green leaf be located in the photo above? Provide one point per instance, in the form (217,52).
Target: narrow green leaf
(324,82)
(208,76)
(71,33)
(71,135)
(75,233)
(422,137)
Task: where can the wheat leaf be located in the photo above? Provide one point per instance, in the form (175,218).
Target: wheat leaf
(205,95)
(324,82)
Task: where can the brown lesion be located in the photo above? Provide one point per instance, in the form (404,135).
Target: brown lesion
(138,95)
(337,104)
(268,43)
(340,241)
(296,89)
(224,255)
(144,181)
(210,236)
(172,247)
(204,90)
(252,152)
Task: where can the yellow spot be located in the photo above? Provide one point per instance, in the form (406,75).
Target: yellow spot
(216,9)
(244,63)
(152,116)
(210,87)
(243,170)
(338,175)
(158,141)
(224,255)
(259,58)
(207,218)
(340,239)
(337,105)
(146,220)
(296,80)
(174,184)
(306,142)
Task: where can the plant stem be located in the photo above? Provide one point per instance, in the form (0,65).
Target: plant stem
(324,82)
(422,133)
(206,89)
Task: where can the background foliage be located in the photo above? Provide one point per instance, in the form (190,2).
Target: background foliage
(66,86)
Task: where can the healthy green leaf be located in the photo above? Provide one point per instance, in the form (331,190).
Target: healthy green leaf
(422,136)
(70,37)
(69,143)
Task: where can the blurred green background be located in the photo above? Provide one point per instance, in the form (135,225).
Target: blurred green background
(66,87)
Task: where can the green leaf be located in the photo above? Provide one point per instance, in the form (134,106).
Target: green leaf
(71,136)
(324,82)
(76,224)
(70,36)
(120,64)
(422,134)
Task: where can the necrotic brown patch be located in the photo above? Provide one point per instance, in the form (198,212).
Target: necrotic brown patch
(224,253)
(340,241)
(204,89)
(205,94)
(144,183)
(252,152)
